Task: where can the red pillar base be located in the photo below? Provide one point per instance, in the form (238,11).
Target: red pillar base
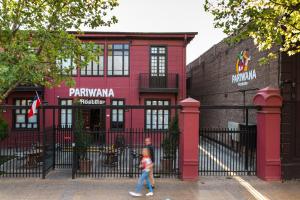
(189,139)
(268,134)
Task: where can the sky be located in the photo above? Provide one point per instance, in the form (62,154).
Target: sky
(168,16)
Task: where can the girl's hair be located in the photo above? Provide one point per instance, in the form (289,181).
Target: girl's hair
(146,151)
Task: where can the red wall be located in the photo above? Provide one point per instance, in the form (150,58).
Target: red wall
(124,87)
(128,87)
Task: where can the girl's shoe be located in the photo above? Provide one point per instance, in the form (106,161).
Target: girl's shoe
(149,194)
(135,194)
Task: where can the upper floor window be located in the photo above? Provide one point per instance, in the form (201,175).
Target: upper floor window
(95,67)
(158,60)
(67,66)
(21,119)
(118,60)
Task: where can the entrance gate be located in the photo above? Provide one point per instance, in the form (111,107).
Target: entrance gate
(227,148)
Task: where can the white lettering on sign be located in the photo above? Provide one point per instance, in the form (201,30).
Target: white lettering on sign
(91,101)
(71,91)
(242,78)
(91,92)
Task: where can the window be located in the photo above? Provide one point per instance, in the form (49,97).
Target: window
(117,115)
(95,67)
(21,115)
(67,66)
(118,60)
(157,119)
(158,61)
(66,114)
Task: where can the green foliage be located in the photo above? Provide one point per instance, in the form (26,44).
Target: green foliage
(82,138)
(170,143)
(33,37)
(3,128)
(269,23)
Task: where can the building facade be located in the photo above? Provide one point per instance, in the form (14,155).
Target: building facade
(232,75)
(131,69)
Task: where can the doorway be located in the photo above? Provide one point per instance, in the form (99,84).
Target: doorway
(94,124)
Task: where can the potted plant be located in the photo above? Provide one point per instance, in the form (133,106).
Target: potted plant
(169,145)
(82,143)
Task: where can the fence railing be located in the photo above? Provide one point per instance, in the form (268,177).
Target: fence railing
(168,82)
(21,154)
(227,151)
(120,154)
(34,152)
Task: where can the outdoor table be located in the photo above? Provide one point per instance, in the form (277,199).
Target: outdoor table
(34,157)
(110,155)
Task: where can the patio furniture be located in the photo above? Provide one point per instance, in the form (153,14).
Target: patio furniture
(34,157)
(111,155)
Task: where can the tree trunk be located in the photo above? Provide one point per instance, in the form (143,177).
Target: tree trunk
(7,92)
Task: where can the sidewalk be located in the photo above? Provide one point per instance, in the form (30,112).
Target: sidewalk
(59,187)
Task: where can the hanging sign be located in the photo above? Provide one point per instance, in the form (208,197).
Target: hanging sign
(243,74)
(92,101)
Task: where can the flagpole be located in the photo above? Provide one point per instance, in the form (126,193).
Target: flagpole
(37,94)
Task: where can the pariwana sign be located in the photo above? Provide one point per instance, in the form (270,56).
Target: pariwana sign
(243,74)
(91,92)
(243,78)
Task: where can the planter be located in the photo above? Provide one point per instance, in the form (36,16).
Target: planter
(85,166)
(167,164)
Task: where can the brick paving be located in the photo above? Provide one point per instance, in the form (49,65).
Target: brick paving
(59,186)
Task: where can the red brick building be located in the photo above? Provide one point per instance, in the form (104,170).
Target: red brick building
(218,78)
(133,69)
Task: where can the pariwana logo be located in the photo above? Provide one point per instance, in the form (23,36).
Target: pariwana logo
(243,78)
(243,74)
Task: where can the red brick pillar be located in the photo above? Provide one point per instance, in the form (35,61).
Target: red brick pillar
(268,133)
(189,139)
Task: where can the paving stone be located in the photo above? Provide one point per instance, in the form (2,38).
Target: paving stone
(62,187)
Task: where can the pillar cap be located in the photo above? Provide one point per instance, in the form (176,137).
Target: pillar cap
(190,102)
(268,97)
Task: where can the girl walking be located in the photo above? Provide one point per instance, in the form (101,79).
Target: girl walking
(146,165)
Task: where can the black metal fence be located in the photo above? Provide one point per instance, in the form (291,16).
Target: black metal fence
(88,151)
(228,151)
(120,155)
(21,154)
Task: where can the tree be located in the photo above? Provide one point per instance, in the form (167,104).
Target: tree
(269,22)
(34,40)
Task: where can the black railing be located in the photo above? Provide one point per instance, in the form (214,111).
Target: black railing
(158,83)
(36,152)
(120,155)
(227,151)
(21,154)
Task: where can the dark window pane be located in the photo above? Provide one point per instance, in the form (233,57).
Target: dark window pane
(117,115)
(157,118)
(118,60)
(21,119)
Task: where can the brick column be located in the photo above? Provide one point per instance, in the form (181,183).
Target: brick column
(268,133)
(189,139)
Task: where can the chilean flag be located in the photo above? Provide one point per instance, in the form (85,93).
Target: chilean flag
(35,104)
